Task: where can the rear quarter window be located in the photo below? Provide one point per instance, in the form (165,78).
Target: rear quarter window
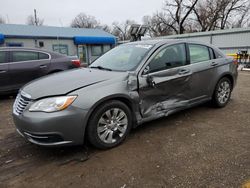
(43,56)
(217,54)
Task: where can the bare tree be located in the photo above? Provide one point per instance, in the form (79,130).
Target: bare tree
(242,18)
(121,30)
(2,20)
(178,11)
(32,21)
(105,28)
(208,14)
(229,8)
(83,20)
(221,14)
(158,25)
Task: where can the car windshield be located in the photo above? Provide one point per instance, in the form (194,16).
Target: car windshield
(122,58)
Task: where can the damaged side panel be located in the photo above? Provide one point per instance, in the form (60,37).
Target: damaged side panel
(169,92)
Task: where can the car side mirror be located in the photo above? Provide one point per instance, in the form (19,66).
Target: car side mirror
(150,81)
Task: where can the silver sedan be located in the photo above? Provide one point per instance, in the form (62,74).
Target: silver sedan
(131,84)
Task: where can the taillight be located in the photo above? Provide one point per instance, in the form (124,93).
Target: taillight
(76,62)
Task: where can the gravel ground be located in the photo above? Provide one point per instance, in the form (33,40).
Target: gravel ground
(199,147)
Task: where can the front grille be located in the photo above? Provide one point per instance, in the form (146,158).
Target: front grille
(20,104)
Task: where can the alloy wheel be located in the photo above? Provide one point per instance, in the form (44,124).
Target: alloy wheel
(112,125)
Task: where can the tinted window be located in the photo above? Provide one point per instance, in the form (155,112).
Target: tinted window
(2,57)
(43,56)
(169,57)
(24,56)
(198,53)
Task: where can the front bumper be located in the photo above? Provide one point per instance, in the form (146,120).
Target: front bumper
(52,129)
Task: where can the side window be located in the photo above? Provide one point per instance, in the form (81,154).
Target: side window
(198,53)
(2,57)
(169,57)
(43,56)
(24,56)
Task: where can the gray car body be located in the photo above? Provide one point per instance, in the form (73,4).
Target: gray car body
(13,75)
(174,90)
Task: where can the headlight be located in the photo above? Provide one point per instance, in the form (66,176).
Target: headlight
(52,104)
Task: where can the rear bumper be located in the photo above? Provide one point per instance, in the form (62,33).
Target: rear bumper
(52,129)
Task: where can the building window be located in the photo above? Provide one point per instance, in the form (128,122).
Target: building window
(14,44)
(96,50)
(61,48)
(41,44)
(106,48)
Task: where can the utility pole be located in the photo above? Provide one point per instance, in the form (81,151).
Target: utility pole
(36,21)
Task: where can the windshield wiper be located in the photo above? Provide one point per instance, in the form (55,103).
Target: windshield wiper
(101,68)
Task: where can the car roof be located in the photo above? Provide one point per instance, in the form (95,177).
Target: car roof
(157,41)
(160,42)
(23,48)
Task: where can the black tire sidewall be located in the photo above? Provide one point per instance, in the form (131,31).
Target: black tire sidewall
(92,134)
(215,97)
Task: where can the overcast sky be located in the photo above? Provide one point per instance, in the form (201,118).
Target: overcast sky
(61,12)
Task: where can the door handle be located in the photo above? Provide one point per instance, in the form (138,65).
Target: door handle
(43,66)
(2,71)
(184,71)
(213,64)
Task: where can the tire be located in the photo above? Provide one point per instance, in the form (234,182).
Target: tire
(109,124)
(222,93)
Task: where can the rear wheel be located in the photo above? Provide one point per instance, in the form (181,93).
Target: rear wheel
(222,92)
(109,125)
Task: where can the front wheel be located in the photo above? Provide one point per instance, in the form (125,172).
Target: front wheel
(109,125)
(222,92)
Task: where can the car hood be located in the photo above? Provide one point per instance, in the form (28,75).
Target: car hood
(65,82)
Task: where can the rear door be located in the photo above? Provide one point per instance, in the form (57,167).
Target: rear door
(202,65)
(4,72)
(165,82)
(27,65)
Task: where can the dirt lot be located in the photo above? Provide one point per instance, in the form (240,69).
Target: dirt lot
(200,147)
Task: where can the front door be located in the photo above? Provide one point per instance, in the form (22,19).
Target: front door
(4,72)
(164,85)
(83,54)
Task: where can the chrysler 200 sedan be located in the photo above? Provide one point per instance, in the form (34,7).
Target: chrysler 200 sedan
(131,84)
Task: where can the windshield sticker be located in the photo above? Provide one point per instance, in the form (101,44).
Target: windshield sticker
(146,46)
